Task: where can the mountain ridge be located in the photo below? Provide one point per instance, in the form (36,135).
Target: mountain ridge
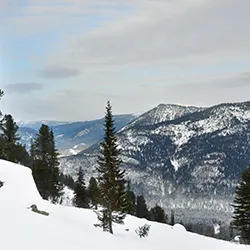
(198,156)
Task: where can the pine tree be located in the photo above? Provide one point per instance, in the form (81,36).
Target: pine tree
(111,178)
(10,129)
(241,205)
(80,193)
(45,163)
(172,221)
(93,192)
(11,149)
(67,180)
(1,94)
(10,138)
(141,208)
(158,214)
(131,200)
(1,135)
(56,187)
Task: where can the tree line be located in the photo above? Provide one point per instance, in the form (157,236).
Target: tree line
(90,197)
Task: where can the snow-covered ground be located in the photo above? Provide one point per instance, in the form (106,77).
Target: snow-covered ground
(68,228)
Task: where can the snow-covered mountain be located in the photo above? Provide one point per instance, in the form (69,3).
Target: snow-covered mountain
(162,113)
(73,137)
(73,228)
(191,161)
(37,124)
(26,135)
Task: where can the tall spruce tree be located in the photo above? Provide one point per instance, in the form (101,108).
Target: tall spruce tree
(111,178)
(67,180)
(131,200)
(1,95)
(44,158)
(57,186)
(172,217)
(93,193)
(241,205)
(11,149)
(10,129)
(158,214)
(1,135)
(80,193)
(141,208)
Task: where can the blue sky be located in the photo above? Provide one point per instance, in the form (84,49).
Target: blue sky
(63,59)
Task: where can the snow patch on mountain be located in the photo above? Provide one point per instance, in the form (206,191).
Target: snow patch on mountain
(175,164)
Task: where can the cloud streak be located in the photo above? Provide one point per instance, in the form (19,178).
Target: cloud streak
(22,88)
(59,72)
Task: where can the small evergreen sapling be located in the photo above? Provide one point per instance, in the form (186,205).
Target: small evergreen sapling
(80,193)
(158,214)
(143,231)
(93,193)
(141,208)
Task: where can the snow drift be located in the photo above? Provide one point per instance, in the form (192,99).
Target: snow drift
(72,228)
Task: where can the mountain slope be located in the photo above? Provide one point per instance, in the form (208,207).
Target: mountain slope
(73,137)
(191,162)
(72,228)
(37,124)
(26,135)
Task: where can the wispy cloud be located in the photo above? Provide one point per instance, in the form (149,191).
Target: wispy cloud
(22,88)
(60,72)
(165,33)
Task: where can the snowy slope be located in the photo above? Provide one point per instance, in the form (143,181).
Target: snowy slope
(71,228)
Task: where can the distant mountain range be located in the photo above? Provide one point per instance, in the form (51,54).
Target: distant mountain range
(71,137)
(188,158)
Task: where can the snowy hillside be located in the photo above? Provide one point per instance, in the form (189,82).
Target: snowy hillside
(71,228)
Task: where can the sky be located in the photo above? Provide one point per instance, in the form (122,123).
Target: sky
(63,59)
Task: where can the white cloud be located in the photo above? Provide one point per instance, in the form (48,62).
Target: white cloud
(165,32)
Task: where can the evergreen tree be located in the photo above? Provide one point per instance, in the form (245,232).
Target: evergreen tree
(1,135)
(44,157)
(158,214)
(93,192)
(1,94)
(172,222)
(56,187)
(67,180)
(11,149)
(111,178)
(131,200)
(141,207)
(241,205)
(80,193)
(10,129)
